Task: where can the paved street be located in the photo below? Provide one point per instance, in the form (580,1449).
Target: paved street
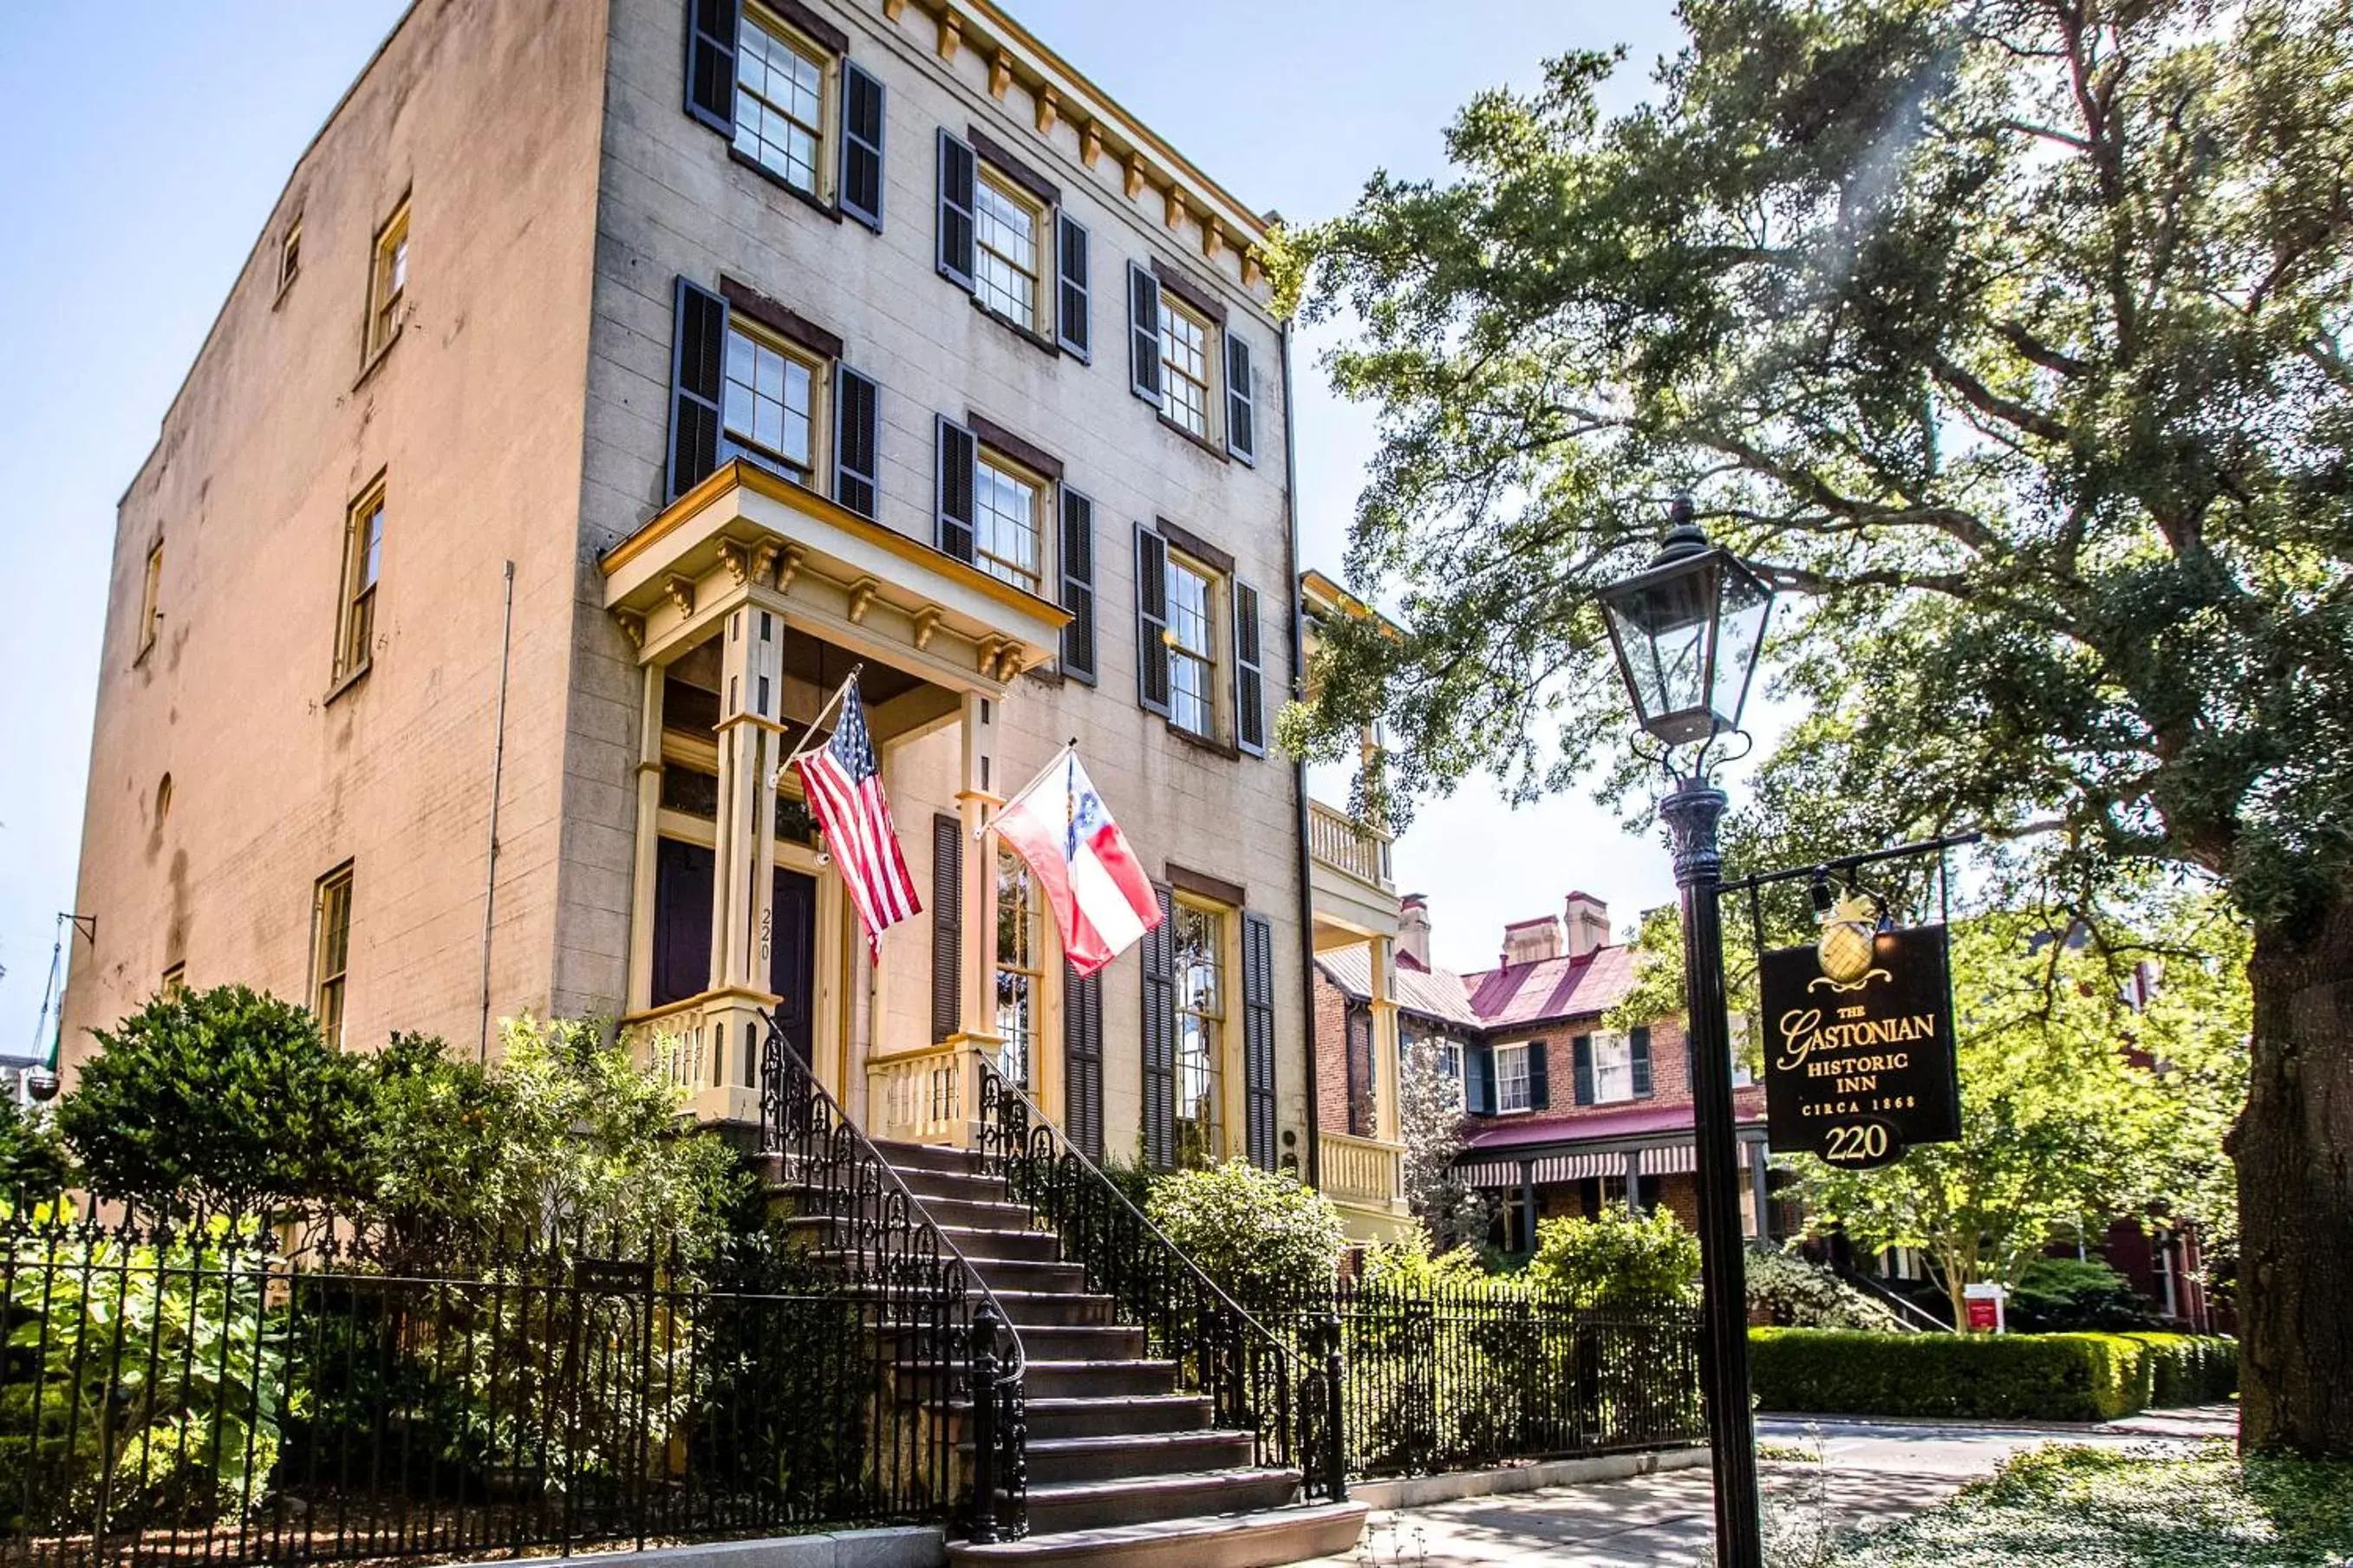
(1870,1471)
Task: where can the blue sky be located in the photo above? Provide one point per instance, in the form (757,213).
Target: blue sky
(136,179)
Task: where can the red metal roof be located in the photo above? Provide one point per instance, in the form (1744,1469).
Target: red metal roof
(1549,988)
(1431,992)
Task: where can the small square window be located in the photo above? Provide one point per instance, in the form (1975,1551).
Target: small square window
(331,947)
(175,980)
(388,282)
(1186,366)
(781,85)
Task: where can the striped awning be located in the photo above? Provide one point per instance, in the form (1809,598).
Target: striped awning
(1577,1167)
(1658,1159)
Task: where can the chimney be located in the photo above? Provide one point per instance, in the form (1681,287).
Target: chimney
(1587,919)
(1529,941)
(1413,929)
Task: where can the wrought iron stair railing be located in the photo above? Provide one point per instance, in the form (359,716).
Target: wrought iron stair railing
(886,1250)
(1221,1351)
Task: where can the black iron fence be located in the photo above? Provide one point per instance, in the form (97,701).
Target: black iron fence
(1457,1378)
(208,1395)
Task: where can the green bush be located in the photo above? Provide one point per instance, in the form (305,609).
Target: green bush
(1259,1234)
(33,1162)
(1799,1294)
(1617,1259)
(2068,1295)
(1996,1377)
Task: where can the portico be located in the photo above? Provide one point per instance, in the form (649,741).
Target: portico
(749,600)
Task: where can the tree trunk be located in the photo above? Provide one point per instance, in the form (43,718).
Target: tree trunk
(2293,1150)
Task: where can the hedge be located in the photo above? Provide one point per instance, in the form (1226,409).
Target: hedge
(1998,1377)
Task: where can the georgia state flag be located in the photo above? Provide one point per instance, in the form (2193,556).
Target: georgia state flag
(1101,900)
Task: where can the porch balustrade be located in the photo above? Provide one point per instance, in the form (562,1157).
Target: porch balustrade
(1360,1169)
(924,1096)
(1337,840)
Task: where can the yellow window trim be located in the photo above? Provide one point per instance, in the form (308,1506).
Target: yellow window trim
(351,660)
(385,303)
(820,374)
(828,89)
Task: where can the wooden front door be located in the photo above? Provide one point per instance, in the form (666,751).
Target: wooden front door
(792,959)
(683,884)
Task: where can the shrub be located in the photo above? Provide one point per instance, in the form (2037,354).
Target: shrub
(34,1161)
(224,1099)
(1259,1234)
(1409,1267)
(1798,1293)
(1617,1259)
(1999,1377)
(2060,1295)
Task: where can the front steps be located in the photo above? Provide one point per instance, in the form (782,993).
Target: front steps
(1124,1469)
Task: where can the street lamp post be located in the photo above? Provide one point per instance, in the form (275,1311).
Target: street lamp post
(1686,631)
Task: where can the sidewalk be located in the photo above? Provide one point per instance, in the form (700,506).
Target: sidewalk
(1869,1472)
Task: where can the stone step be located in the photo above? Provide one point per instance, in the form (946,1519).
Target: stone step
(1033,1275)
(1044,1308)
(1121,1415)
(1131,1454)
(1263,1540)
(979,1214)
(1082,1341)
(1004,1246)
(905,1157)
(929,1184)
(1097,1379)
(1141,1500)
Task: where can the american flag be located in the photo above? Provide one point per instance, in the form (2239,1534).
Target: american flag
(844,785)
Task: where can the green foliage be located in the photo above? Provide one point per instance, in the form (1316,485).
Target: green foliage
(2055,1295)
(1999,1377)
(1407,1266)
(1133,1178)
(224,1099)
(1795,1293)
(1261,1235)
(34,1160)
(2072,1505)
(1616,1260)
(147,1376)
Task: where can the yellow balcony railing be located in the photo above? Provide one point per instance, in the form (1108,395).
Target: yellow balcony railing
(1360,1169)
(1339,841)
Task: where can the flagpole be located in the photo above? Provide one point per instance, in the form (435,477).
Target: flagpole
(1071,750)
(822,715)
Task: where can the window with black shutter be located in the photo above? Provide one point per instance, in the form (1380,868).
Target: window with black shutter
(1082,1061)
(1159,1038)
(957,173)
(1072,329)
(1639,1056)
(1151,621)
(947,926)
(1143,333)
(1241,403)
(711,27)
(958,455)
(1539,1075)
(697,385)
(1479,1078)
(1078,585)
(1581,1048)
(1258,1037)
(862,146)
(1250,674)
(857,418)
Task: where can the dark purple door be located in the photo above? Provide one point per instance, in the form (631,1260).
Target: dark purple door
(792,959)
(683,882)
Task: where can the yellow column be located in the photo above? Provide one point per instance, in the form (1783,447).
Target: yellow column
(751,695)
(977,802)
(1384,1009)
(649,845)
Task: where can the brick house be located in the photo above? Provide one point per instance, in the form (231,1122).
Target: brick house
(1562,1115)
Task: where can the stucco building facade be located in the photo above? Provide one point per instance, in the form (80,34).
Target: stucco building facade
(613,380)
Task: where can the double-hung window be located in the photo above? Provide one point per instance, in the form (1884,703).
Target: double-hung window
(1511,1078)
(1192,646)
(363,562)
(388,282)
(1198,945)
(330,948)
(1186,358)
(1004,238)
(771,404)
(1200,649)
(1184,365)
(1009,520)
(1009,231)
(1613,1068)
(151,597)
(781,86)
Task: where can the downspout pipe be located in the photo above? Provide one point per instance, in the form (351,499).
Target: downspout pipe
(498,777)
(1313,1161)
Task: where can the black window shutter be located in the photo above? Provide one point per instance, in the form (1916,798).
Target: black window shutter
(1242,404)
(1539,1075)
(1144,334)
(1250,673)
(862,146)
(1582,1049)
(1078,585)
(711,63)
(697,381)
(1258,1037)
(1082,1061)
(958,454)
(947,926)
(1072,329)
(857,417)
(1151,621)
(1638,1050)
(1159,1144)
(1479,1078)
(956,176)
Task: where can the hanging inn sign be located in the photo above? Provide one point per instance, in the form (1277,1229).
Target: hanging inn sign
(1859,1062)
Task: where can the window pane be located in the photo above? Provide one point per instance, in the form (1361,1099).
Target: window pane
(779,105)
(769,403)
(1185,366)
(1199,955)
(1005,233)
(1006,534)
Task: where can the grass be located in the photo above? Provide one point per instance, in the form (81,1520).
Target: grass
(2107,1508)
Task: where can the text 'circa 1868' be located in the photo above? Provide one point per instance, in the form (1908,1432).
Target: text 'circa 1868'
(1859,1062)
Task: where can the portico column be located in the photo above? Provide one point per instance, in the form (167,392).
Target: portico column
(751,694)
(648,859)
(976,804)
(1383,1006)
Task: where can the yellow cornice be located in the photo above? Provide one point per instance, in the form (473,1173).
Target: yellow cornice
(738,474)
(993,18)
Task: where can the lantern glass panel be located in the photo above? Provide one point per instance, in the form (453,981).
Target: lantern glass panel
(1663,627)
(1743,604)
